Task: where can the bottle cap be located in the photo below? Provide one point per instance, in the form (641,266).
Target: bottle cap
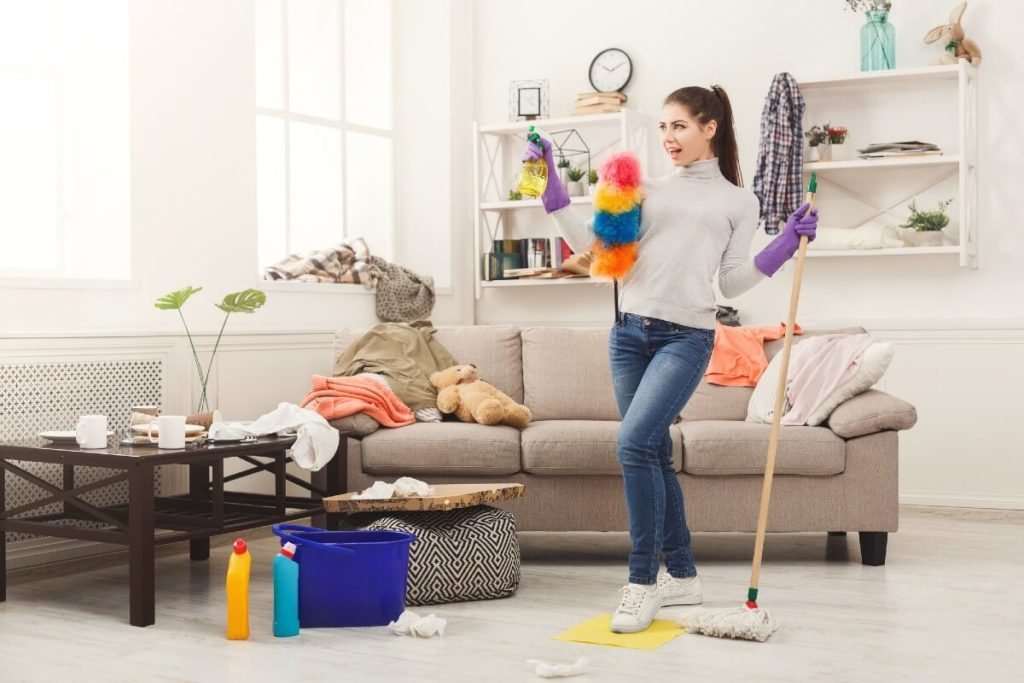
(240,546)
(288,550)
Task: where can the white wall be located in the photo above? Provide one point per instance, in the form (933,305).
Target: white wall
(958,331)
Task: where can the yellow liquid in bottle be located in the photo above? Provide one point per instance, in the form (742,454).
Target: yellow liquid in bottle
(533,178)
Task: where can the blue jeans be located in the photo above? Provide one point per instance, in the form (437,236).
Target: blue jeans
(656,366)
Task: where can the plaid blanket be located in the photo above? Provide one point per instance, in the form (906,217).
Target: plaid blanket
(348,263)
(777,181)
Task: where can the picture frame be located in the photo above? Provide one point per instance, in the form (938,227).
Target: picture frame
(528,100)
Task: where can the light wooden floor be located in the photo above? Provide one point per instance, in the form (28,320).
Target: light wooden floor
(948,606)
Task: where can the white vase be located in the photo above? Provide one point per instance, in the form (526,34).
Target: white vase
(813,153)
(840,151)
(575,188)
(922,238)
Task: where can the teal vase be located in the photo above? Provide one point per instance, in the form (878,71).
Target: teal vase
(877,43)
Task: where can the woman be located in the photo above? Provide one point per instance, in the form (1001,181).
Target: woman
(694,222)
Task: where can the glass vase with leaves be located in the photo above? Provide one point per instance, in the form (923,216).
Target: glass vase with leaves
(245,301)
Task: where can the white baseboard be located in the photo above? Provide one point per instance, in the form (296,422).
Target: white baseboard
(956,500)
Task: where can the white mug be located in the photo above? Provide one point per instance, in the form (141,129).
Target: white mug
(172,431)
(91,431)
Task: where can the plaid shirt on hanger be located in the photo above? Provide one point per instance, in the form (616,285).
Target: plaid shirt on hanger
(778,183)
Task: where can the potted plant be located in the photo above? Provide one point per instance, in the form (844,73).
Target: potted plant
(563,167)
(837,148)
(816,137)
(924,228)
(515,195)
(591,181)
(575,187)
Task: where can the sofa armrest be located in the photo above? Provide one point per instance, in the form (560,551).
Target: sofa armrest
(355,426)
(869,412)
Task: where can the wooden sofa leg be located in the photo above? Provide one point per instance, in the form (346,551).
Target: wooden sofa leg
(837,533)
(872,547)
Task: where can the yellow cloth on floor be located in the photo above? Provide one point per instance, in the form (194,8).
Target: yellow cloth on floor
(597,631)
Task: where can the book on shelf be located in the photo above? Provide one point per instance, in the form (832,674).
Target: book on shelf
(900,154)
(597,109)
(586,99)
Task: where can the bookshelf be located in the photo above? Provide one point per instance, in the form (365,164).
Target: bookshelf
(905,176)
(497,153)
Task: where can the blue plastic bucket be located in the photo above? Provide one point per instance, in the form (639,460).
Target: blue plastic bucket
(349,578)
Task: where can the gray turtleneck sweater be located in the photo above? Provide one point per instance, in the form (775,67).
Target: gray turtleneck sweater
(693,222)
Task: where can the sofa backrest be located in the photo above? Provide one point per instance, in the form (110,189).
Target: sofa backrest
(496,351)
(566,374)
(562,373)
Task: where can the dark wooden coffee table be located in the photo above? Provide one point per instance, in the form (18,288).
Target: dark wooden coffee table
(206,510)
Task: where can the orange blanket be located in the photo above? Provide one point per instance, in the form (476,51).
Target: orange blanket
(334,397)
(738,359)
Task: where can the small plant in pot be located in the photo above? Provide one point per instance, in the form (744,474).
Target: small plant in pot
(575,186)
(925,228)
(816,137)
(563,167)
(838,150)
(591,181)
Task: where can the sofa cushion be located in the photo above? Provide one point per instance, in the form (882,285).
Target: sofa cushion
(578,447)
(456,448)
(728,447)
(567,375)
(495,351)
(870,412)
(716,402)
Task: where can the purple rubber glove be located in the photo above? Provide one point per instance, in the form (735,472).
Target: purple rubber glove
(555,197)
(782,248)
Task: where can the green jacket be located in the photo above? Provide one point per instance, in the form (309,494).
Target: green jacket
(406,353)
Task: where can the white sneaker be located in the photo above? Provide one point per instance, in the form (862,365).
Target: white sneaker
(637,609)
(680,591)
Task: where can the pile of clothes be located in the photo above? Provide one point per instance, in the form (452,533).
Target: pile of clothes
(824,370)
(384,375)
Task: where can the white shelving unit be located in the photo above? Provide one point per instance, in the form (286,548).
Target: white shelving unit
(961,76)
(497,150)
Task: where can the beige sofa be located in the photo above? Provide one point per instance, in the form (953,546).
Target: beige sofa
(838,477)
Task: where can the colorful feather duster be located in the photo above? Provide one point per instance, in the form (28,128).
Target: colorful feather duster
(617,216)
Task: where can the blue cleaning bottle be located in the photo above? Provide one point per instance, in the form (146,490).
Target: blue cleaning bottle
(286,592)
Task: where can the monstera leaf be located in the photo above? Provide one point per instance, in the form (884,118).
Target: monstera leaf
(246,301)
(175,300)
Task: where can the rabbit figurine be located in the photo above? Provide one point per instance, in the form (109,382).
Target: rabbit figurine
(955,44)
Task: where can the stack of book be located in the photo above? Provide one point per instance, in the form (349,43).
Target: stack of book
(598,103)
(906,148)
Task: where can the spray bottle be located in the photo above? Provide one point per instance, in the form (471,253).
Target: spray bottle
(533,177)
(238,591)
(286,592)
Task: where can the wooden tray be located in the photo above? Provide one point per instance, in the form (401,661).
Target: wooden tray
(447,497)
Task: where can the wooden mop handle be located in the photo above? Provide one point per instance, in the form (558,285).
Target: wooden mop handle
(780,395)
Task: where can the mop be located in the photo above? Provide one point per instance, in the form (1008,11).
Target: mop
(751,622)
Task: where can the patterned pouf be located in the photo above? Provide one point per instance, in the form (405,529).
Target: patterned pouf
(464,554)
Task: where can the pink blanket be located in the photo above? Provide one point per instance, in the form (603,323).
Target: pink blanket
(335,397)
(817,367)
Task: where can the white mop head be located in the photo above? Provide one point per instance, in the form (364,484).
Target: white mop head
(737,622)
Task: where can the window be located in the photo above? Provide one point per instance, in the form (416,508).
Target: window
(324,132)
(65,195)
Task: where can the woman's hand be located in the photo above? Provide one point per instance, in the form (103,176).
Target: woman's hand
(799,224)
(555,196)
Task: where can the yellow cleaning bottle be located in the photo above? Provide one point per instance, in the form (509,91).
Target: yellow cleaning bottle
(238,591)
(533,177)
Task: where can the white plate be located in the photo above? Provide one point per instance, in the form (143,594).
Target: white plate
(190,430)
(64,436)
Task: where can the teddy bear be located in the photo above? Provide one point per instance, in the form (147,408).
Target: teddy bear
(956,45)
(461,391)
